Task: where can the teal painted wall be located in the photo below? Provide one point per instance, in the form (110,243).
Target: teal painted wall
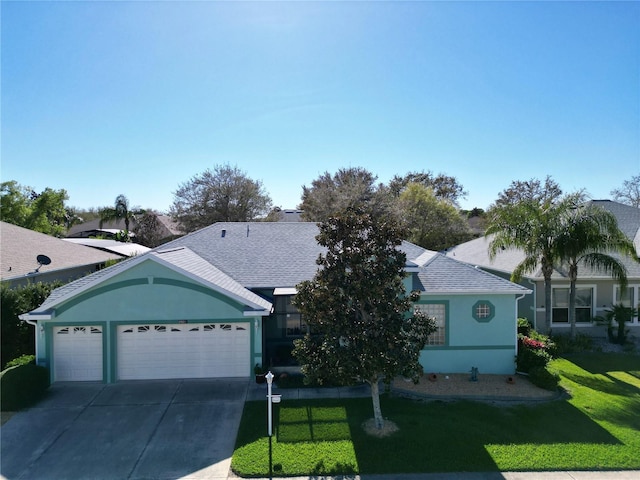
(132,296)
(146,293)
(490,345)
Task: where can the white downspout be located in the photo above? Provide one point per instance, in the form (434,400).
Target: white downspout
(535,303)
(35,324)
(516,329)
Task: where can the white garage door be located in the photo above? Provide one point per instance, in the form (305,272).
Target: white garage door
(183,351)
(77,353)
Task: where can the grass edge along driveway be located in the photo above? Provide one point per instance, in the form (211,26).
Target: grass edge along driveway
(597,427)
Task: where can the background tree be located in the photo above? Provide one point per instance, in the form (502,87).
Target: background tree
(357,308)
(43,212)
(530,190)
(531,224)
(348,188)
(147,229)
(587,237)
(629,193)
(225,194)
(444,187)
(120,211)
(18,337)
(432,222)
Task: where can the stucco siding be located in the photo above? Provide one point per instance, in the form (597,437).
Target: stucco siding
(461,361)
(486,343)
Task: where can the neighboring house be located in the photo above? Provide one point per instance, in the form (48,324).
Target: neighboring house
(285,215)
(167,229)
(216,302)
(596,291)
(24,255)
(123,249)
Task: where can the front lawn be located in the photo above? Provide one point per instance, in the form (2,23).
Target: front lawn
(598,427)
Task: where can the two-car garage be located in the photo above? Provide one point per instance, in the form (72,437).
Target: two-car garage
(153,351)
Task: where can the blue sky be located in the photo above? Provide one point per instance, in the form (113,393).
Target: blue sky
(103,98)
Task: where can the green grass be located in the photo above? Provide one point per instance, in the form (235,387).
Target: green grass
(598,427)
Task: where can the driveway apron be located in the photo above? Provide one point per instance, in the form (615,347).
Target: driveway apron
(130,430)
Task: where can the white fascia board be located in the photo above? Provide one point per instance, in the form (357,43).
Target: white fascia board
(285,291)
(256,313)
(26,317)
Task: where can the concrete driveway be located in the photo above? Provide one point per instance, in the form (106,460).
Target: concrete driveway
(165,429)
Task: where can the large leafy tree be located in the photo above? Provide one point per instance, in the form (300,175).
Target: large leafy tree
(353,187)
(532,224)
(357,308)
(224,194)
(120,211)
(629,193)
(444,187)
(432,222)
(588,237)
(43,212)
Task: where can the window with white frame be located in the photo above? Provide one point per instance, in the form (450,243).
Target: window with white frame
(437,311)
(628,298)
(560,305)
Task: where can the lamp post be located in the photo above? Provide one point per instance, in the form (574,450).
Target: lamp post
(269,377)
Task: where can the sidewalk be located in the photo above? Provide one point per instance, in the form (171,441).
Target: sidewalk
(259,392)
(619,475)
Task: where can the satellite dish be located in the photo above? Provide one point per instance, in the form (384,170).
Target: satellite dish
(42,260)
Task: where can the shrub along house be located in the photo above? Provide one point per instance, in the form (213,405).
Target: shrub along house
(217,302)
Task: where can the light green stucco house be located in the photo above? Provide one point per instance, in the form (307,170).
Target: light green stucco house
(217,302)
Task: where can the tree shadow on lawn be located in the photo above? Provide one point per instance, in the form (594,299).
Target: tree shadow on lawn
(434,436)
(452,436)
(605,383)
(606,362)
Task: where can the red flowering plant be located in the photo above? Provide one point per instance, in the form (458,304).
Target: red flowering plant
(535,350)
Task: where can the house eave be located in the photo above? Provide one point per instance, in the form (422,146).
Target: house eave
(477,292)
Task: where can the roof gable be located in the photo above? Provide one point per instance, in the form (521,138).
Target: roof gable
(444,275)
(181,260)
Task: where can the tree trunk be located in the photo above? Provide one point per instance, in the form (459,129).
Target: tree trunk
(375,397)
(547,305)
(573,276)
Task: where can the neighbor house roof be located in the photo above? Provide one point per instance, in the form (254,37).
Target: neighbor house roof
(167,228)
(124,249)
(476,251)
(20,247)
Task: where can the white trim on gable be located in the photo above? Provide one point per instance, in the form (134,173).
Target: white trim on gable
(256,304)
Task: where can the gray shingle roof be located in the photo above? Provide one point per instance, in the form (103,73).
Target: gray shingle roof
(238,257)
(258,254)
(20,246)
(444,275)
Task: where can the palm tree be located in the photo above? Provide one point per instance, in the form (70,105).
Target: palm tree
(588,237)
(119,211)
(532,226)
